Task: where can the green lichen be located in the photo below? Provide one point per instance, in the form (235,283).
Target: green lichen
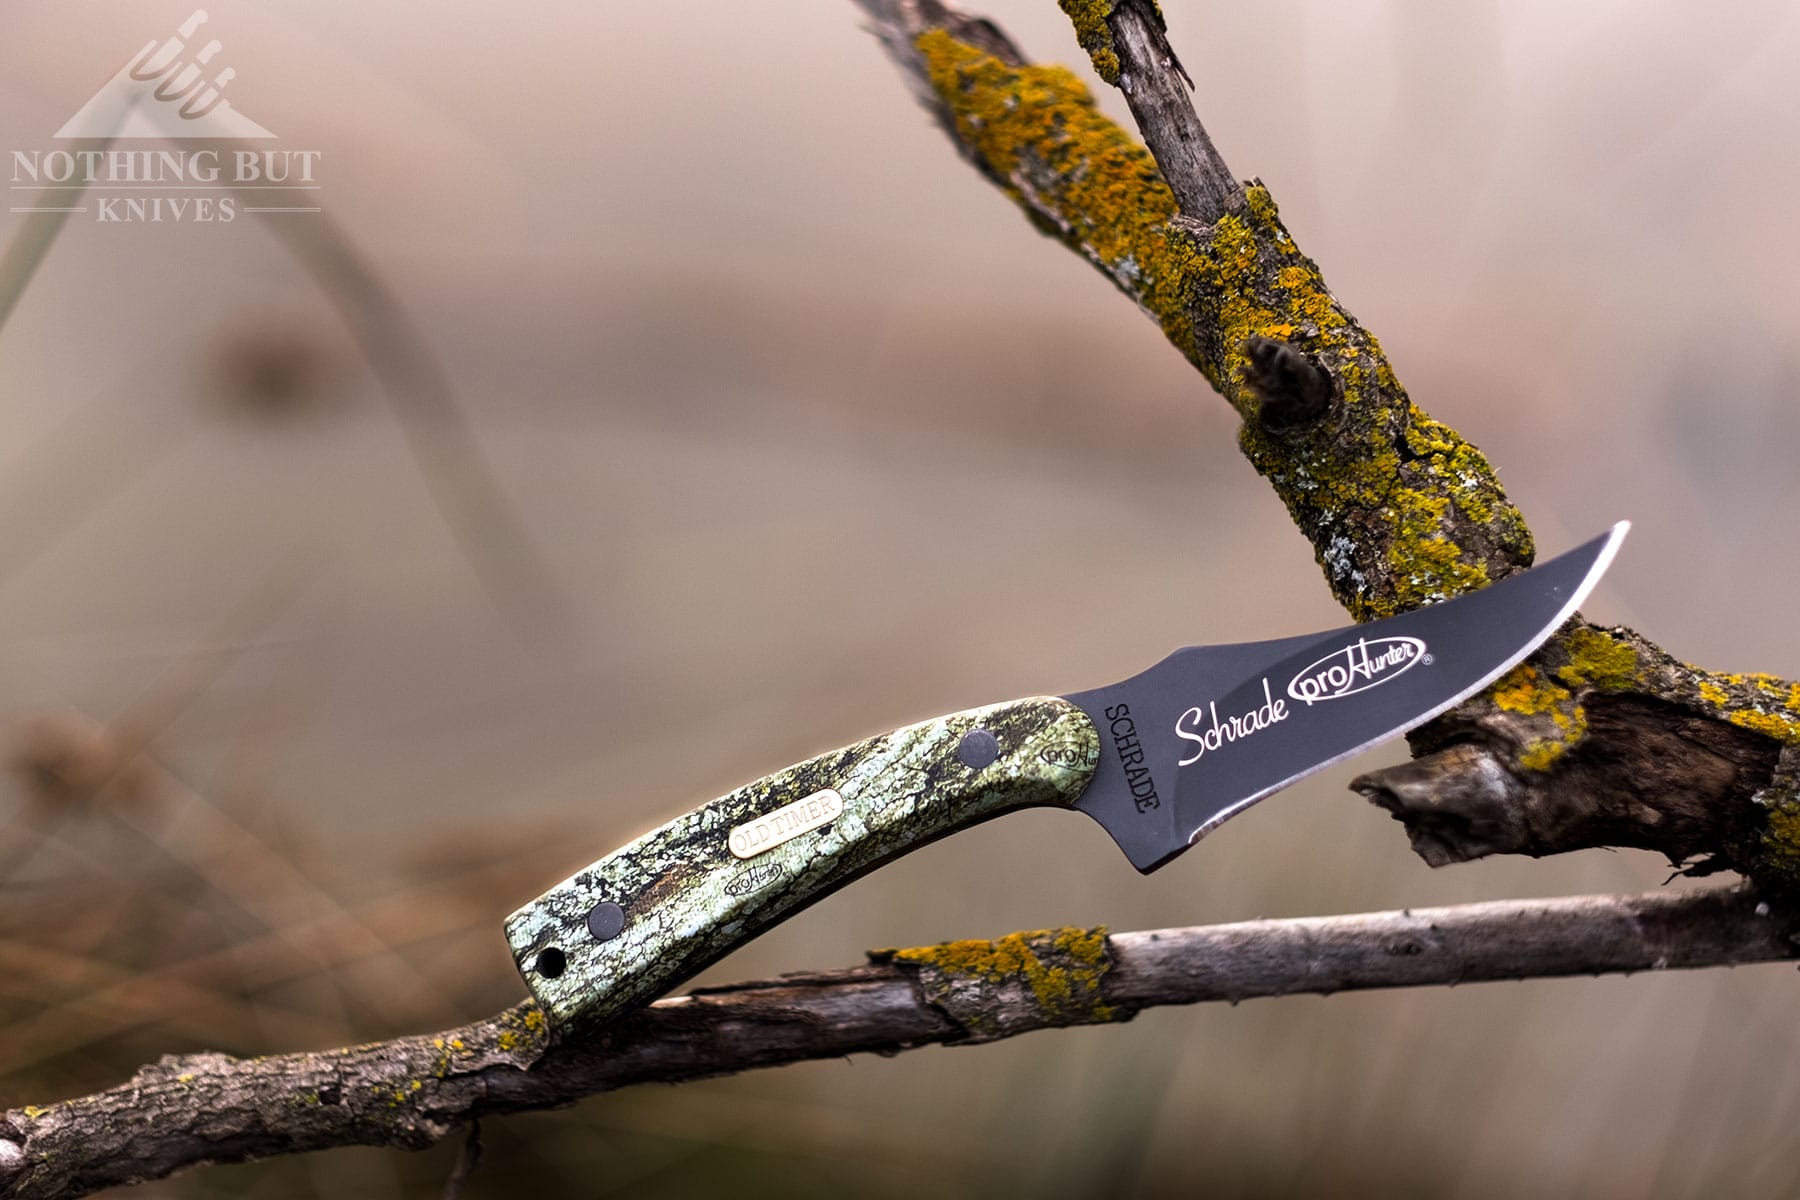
(1094,35)
(1598,659)
(1777,848)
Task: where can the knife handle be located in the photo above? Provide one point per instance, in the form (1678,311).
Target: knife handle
(648,916)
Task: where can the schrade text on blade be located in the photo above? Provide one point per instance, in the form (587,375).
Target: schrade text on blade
(1130,750)
(1233,728)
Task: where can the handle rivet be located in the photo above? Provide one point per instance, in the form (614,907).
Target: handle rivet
(978,748)
(605,920)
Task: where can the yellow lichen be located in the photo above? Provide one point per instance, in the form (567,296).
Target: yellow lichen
(522,1027)
(1092,32)
(1779,726)
(1767,704)
(400,1093)
(1065,989)
(1541,754)
(1079,177)
(1387,474)
(1525,691)
(447,1050)
(1418,476)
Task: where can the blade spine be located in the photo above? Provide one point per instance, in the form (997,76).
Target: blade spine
(1613,539)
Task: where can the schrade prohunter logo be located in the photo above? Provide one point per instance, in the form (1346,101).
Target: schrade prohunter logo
(1367,663)
(1364,664)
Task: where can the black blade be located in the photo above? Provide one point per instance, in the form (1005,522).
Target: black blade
(1211,730)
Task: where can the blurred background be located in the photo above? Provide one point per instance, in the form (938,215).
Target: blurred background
(731,418)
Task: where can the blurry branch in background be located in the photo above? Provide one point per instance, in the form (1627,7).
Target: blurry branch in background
(126,459)
(48,212)
(117,444)
(109,769)
(411,1092)
(450,460)
(86,776)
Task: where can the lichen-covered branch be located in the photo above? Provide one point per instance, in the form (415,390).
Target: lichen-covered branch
(1604,738)
(1400,509)
(411,1092)
(1122,40)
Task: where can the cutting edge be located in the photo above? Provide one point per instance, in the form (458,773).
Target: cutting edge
(1613,538)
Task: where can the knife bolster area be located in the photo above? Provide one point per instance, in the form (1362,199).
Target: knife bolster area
(648,916)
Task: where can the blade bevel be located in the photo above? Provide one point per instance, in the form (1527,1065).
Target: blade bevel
(1266,722)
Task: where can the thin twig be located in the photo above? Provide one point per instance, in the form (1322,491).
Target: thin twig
(1157,89)
(466,1162)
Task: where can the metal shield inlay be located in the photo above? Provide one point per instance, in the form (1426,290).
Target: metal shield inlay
(785,823)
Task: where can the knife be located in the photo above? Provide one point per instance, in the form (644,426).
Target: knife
(1159,760)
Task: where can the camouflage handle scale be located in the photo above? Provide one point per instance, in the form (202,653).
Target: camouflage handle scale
(646,917)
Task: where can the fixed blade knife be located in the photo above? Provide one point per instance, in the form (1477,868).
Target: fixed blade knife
(1158,760)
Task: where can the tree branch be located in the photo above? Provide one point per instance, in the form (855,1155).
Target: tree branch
(411,1092)
(1128,43)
